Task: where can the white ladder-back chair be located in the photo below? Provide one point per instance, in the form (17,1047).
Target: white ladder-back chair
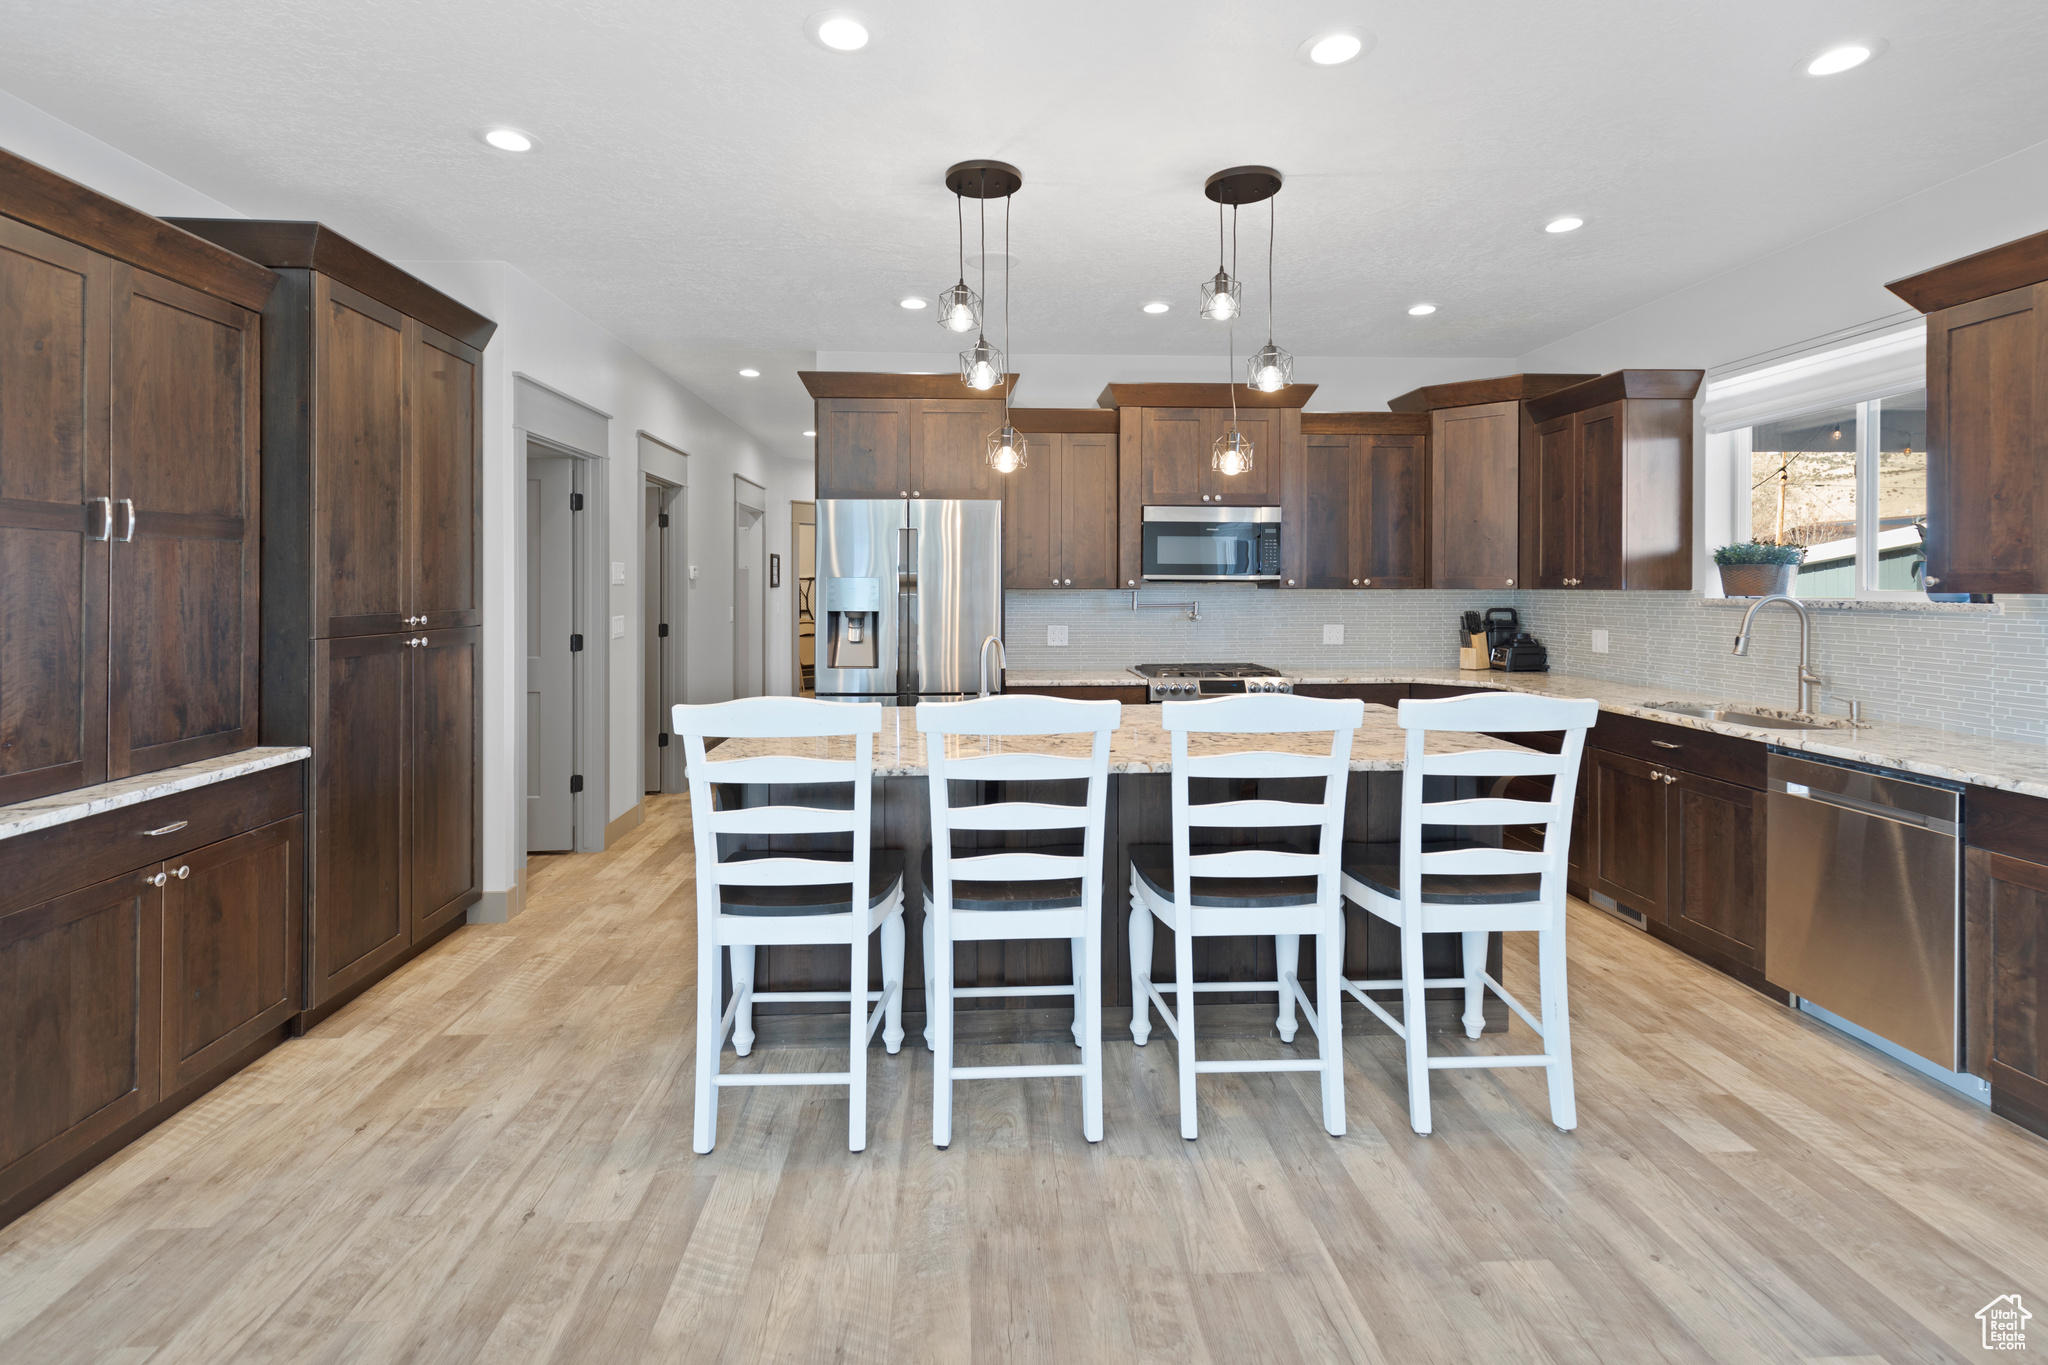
(752,898)
(1448,886)
(1054,891)
(1244,889)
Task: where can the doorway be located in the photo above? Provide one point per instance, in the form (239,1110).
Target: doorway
(749,588)
(553,637)
(662,633)
(803,568)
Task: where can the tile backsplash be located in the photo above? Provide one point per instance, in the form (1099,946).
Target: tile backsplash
(1984,673)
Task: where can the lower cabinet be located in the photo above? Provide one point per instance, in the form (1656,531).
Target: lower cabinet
(1628,826)
(1714,887)
(2006,982)
(125,997)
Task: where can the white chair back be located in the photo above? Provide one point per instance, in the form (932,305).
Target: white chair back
(1261,715)
(1491,713)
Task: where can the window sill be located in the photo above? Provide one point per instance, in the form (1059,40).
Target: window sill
(1880,605)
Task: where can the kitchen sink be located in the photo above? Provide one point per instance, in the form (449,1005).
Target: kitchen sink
(1761,717)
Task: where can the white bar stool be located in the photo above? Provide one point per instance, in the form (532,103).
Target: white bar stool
(1054,891)
(1249,890)
(1463,887)
(754,898)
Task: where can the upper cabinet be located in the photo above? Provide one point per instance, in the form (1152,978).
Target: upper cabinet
(902,436)
(1366,500)
(1987,418)
(1060,510)
(1474,495)
(129,489)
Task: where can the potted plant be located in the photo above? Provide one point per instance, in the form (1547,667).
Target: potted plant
(1757,569)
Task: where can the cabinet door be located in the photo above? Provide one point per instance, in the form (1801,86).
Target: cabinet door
(446,857)
(80,1014)
(1328,533)
(2006,982)
(1088,510)
(361,810)
(442,457)
(359,533)
(1258,486)
(1552,540)
(1597,447)
(1474,460)
(54,297)
(1031,516)
(1390,513)
(949,447)
(1173,456)
(1716,887)
(1627,832)
(233,912)
(183,449)
(863,447)
(1987,424)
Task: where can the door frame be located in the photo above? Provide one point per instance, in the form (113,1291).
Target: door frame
(674,601)
(743,491)
(801,513)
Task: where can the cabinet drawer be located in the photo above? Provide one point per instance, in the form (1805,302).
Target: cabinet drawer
(49,862)
(2006,822)
(1741,761)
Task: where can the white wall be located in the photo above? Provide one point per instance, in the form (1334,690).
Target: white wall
(50,142)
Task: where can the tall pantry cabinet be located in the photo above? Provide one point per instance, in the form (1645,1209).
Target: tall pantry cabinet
(371,620)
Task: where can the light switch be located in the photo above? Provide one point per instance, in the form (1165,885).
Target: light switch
(618,627)
(1056,636)
(618,572)
(1333,635)
(1599,642)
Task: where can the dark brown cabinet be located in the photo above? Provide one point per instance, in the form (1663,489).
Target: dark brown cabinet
(1607,484)
(1715,885)
(1365,501)
(2006,982)
(891,443)
(1060,511)
(1628,826)
(129,526)
(1178,451)
(863,448)
(372,459)
(1474,495)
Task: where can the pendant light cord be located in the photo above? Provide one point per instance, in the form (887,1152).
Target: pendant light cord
(1001,378)
(1231,344)
(1272,208)
(960,218)
(981,333)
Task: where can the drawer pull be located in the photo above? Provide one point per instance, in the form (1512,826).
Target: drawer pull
(171,828)
(1666,744)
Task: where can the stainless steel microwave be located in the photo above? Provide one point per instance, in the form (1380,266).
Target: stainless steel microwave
(1212,544)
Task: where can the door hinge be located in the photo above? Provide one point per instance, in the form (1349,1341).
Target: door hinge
(575,502)
(663,519)
(662,630)
(575,644)
(661,740)
(575,784)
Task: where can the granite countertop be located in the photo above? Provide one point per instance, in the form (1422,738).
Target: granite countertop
(1138,746)
(24,817)
(1949,754)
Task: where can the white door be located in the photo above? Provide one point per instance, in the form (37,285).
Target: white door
(749,599)
(550,680)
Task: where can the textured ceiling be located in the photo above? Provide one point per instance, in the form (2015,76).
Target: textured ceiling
(711,186)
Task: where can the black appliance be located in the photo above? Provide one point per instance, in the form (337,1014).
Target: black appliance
(1523,653)
(1212,544)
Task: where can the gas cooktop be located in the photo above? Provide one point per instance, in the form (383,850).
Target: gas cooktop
(1180,682)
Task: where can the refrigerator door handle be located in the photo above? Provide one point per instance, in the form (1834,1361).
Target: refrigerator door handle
(908,683)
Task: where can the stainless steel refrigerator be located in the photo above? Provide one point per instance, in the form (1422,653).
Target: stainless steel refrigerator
(908,589)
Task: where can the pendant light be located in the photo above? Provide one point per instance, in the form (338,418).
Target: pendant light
(1223,297)
(960,307)
(1007,452)
(981,365)
(1270,369)
(1232,453)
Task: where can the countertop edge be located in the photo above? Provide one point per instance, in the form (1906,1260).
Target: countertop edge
(45,812)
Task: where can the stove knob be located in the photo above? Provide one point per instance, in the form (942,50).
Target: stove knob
(1286,687)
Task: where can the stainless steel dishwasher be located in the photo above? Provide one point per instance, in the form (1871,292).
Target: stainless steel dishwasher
(1863,907)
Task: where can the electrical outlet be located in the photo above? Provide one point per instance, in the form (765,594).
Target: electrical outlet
(618,572)
(1333,635)
(618,627)
(1056,636)
(1599,642)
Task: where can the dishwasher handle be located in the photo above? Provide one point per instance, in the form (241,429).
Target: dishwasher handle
(1801,791)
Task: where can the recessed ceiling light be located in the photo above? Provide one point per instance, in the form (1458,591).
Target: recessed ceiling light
(1564,224)
(509,139)
(1839,59)
(1421,310)
(1335,48)
(810,433)
(837,31)
(1157,307)
(750,374)
(912,302)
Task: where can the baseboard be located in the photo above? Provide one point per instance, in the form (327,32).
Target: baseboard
(308,1019)
(1718,960)
(501,907)
(618,828)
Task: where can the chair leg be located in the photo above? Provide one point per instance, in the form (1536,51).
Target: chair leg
(857,1048)
(1082,984)
(940,1013)
(1286,959)
(1415,1023)
(1330,1017)
(1184,1011)
(892,976)
(1557,1027)
(1090,981)
(743,975)
(1475,982)
(930,1005)
(1141,971)
(709,1016)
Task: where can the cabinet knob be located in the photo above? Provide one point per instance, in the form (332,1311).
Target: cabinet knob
(1669,778)
(1205,497)
(1931,580)
(1511,582)
(1055,582)
(1656,776)
(1130,582)
(1290,582)
(917,492)
(158,880)
(1070,582)
(1354,582)
(182,873)
(1366,581)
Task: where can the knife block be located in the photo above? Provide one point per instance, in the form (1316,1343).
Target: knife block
(1474,654)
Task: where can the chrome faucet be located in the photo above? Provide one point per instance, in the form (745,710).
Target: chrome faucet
(1002,656)
(1808,679)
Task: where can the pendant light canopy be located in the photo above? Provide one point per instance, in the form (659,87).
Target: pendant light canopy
(1270,368)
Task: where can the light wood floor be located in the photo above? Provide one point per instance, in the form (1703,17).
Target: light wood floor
(488,1159)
